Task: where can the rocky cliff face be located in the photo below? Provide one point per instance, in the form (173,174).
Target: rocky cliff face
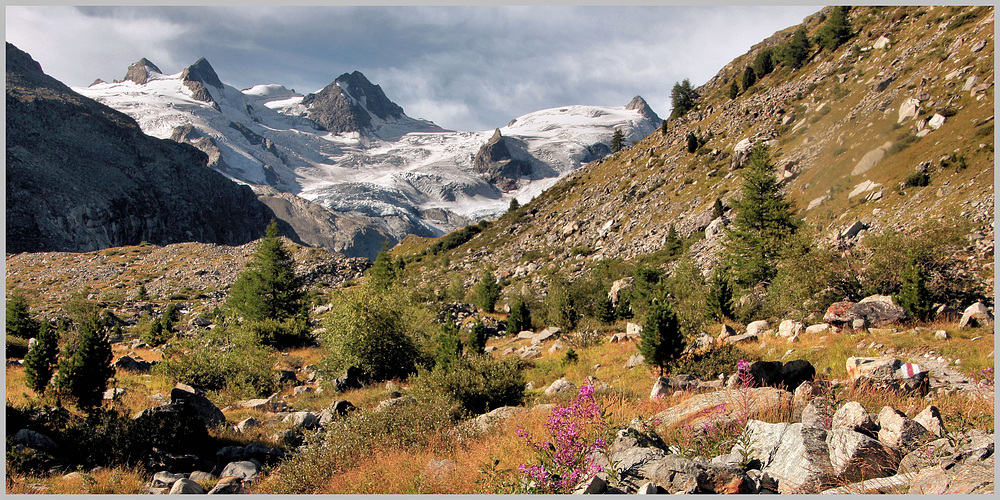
(497,165)
(82,176)
(197,76)
(139,71)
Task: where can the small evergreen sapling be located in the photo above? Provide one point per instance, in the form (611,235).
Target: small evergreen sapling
(41,358)
(488,291)
(719,299)
(477,337)
(692,142)
(913,295)
(19,320)
(749,78)
(520,317)
(617,141)
(661,340)
(84,374)
(268,288)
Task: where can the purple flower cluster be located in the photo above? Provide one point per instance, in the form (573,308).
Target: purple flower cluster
(568,458)
(984,377)
(743,371)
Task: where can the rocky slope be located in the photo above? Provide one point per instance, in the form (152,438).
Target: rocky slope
(911,90)
(82,176)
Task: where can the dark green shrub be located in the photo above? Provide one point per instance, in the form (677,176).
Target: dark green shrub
(456,239)
(83,374)
(292,332)
(835,31)
(479,384)
(40,361)
(477,337)
(488,290)
(217,360)
(367,329)
(917,179)
(749,77)
(662,341)
(719,300)
(19,320)
(692,142)
(156,335)
(562,306)
(570,357)
(268,288)
(448,350)
(913,295)
(519,319)
(683,98)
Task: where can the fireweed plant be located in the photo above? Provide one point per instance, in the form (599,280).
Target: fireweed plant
(577,433)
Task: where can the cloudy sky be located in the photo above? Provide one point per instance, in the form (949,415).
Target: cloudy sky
(465,68)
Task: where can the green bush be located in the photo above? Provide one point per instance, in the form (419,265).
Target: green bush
(19,320)
(17,347)
(292,332)
(83,373)
(662,340)
(369,329)
(221,360)
(487,290)
(917,179)
(519,319)
(478,383)
(40,361)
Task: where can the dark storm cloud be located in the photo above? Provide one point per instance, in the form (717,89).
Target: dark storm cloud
(466,68)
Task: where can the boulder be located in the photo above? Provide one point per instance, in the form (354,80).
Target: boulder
(635,360)
(966,473)
(164,479)
(115,393)
(228,486)
(909,109)
(263,405)
(247,424)
(819,328)
(726,332)
(936,121)
(353,378)
(724,407)
(487,422)
(32,439)
(794,373)
(739,339)
(790,328)
(930,419)
(208,412)
(245,469)
(898,432)
(757,328)
(666,386)
(185,486)
(305,420)
(619,286)
(855,456)
(302,389)
(800,461)
(803,394)
(596,485)
(203,476)
(975,315)
(818,413)
(561,386)
(702,340)
(886,372)
(633,330)
(852,416)
(875,310)
(682,475)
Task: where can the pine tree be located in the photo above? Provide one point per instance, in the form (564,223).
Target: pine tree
(41,358)
(719,299)
(477,337)
(383,272)
(141,295)
(796,51)
(449,347)
(617,141)
(673,244)
(835,31)
(519,319)
(84,374)
(913,295)
(682,98)
(734,90)
(268,288)
(661,339)
(692,142)
(514,205)
(488,291)
(663,128)
(19,320)
(749,78)
(605,310)
(763,64)
(624,308)
(762,222)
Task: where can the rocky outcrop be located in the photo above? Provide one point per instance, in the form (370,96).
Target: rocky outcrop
(639,104)
(140,70)
(197,76)
(81,176)
(871,311)
(496,164)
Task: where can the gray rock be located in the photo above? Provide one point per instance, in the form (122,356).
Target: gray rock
(800,461)
(852,416)
(247,424)
(185,486)
(930,419)
(875,310)
(635,360)
(561,386)
(818,413)
(757,328)
(648,488)
(975,315)
(112,394)
(897,431)
(789,328)
(202,476)
(596,485)
(228,486)
(856,457)
(164,479)
(726,332)
(245,469)
(209,413)
(32,439)
(739,339)
(681,475)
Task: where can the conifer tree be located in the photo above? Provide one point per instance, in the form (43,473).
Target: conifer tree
(763,64)
(19,320)
(268,288)
(682,97)
(762,222)
(749,78)
(83,375)
(519,319)
(514,205)
(663,128)
(719,299)
(449,347)
(41,358)
(605,310)
(661,338)
(717,209)
(913,295)
(796,51)
(673,243)
(624,308)
(692,142)
(617,141)
(477,337)
(141,294)
(734,90)
(835,31)
(488,291)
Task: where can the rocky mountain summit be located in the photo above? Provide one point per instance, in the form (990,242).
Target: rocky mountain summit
(82,176)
